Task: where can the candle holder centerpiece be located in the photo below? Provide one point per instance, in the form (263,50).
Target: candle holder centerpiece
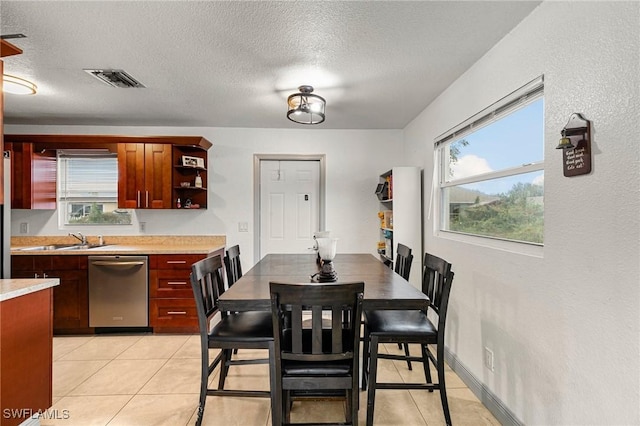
(327,252)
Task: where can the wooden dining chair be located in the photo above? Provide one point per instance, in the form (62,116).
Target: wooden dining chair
(404,259)
(316,358)
(250,330)
(410,326)
(232,265)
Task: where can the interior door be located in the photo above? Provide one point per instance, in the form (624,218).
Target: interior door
(289,205)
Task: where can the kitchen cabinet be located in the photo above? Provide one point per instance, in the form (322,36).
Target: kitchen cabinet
(33,177)
(70,298)
(399,192)
(27,354)
(191,191)
(172,308)
(144,176)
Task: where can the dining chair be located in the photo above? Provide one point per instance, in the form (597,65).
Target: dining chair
(410,326)
(316,358)
(247,330)
(232,265)
(404,259)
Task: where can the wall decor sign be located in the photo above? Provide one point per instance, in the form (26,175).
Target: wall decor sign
(576,146)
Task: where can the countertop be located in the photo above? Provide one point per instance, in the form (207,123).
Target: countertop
(15,287)
(182,244)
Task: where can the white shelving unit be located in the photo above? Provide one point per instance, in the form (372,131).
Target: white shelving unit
(400,195)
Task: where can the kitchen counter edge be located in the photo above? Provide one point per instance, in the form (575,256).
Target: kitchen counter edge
(16,287)
(122,249)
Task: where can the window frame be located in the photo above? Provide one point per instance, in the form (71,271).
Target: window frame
(518,99)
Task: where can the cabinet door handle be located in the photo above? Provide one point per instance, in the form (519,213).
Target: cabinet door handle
(138,202)
(177,313)
(35,275)
(177,283)
(147,199)
(44,275)
(176,261)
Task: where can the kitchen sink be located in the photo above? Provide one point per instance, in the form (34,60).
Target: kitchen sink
(61,247)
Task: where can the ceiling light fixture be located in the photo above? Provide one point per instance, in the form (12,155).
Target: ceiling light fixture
(305,107)
(17,85)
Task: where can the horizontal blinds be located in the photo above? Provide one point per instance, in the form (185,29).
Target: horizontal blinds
(516,99)
(88,178)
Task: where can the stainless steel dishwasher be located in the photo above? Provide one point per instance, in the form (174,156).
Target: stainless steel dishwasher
(118,291)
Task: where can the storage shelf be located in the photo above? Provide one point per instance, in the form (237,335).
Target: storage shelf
(189,188)
(180,167)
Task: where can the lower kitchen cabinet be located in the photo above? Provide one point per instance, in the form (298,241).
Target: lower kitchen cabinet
(172,308)
(70,298)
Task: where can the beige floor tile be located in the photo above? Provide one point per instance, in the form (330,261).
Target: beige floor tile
(465,408)
(392,407)
(67,375)
(86,410)
(245,377)
(177,376)
(320,411)
(120,377)
(157,410)
(229,411)
(101,347)
(65,344)
(156,346)
(190,349)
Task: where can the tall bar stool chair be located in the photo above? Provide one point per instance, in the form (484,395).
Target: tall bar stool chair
(320,358)
(248,330)
(410,326)
(404,259)
(232,265)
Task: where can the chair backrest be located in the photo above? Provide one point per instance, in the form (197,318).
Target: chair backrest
(404,259)
(436,283)
(208,284)
(296,340)
(232,265)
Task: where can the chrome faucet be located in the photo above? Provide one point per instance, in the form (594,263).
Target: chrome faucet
(79,236)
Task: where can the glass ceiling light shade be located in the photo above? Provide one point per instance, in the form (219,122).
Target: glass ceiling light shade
(305,107)
(17,85)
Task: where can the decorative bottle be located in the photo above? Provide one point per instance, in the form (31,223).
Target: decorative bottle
(198,183)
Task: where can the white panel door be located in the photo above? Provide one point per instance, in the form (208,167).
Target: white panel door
(289,205)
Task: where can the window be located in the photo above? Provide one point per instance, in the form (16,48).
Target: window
(492,171)
(88,188)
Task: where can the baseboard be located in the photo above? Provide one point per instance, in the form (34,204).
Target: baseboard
(493,404)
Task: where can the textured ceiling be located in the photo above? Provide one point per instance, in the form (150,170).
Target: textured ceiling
(233,63)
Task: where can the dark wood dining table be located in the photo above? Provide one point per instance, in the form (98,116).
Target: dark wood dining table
(383,288)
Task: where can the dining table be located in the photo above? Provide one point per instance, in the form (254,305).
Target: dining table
(383,288)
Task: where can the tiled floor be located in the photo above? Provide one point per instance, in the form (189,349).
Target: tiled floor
(153,380)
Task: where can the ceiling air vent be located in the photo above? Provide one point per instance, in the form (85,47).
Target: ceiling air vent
(115,78)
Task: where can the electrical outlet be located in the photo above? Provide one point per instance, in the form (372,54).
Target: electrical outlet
(488,358)
(243,227)
(143,226)
(24,227)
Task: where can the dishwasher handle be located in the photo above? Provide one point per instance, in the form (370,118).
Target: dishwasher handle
(116,263)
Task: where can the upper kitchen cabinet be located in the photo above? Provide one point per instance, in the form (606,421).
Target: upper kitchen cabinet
(144,176)
(33,177)
(190,177)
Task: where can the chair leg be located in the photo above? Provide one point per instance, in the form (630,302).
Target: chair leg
(407,354)
(204,379)
(425,365)
(224,367)
(442,387)
(373,369)
(276,388)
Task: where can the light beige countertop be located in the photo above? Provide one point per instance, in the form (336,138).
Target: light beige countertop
(15,287)
(153,244)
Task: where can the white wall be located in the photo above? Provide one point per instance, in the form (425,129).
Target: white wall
(564,325)
(354,161)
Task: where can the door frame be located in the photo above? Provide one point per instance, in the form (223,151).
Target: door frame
(257,158)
